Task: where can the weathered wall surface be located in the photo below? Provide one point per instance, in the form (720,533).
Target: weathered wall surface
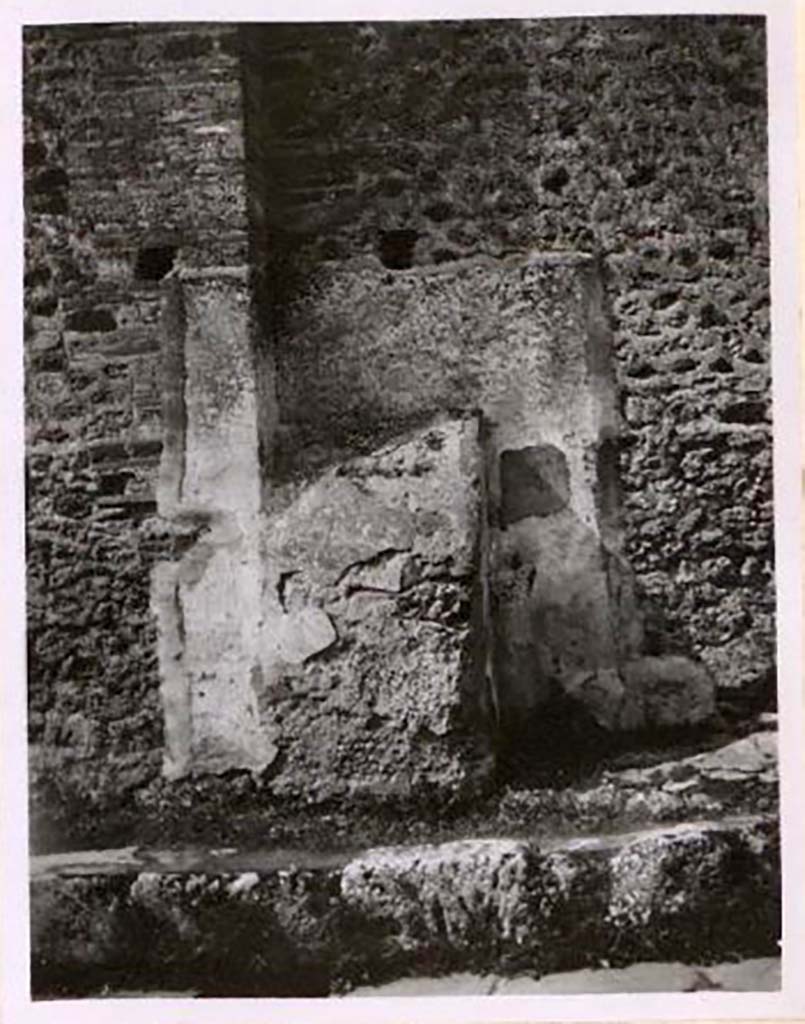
(334,646)
(133,165)
(407,146)
(372,647)
(643,140)
(391,611)
(521,341)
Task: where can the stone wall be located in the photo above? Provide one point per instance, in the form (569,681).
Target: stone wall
(133,170)
(408,147)
(641,140)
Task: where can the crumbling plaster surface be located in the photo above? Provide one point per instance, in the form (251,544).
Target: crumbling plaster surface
(498,534)
(522,340)
(377,562)
(333,643)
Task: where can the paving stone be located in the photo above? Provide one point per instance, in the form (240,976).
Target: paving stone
(462,984)
(739,777)
(753,756)
(762,974)
(755,975)
(646,977)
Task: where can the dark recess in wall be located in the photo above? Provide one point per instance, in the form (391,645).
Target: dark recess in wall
(397,248)
(154,262)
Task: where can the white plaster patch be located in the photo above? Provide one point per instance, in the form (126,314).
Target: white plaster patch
(296,636)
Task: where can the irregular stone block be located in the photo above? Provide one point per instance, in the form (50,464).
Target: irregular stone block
(605,697)
(370,675)
(649,692)
(750,758)
(738,778)
(675,690)
(754,755)
(228,932)
(698,888)
(451,892)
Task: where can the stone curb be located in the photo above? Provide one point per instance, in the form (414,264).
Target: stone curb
(231,924)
